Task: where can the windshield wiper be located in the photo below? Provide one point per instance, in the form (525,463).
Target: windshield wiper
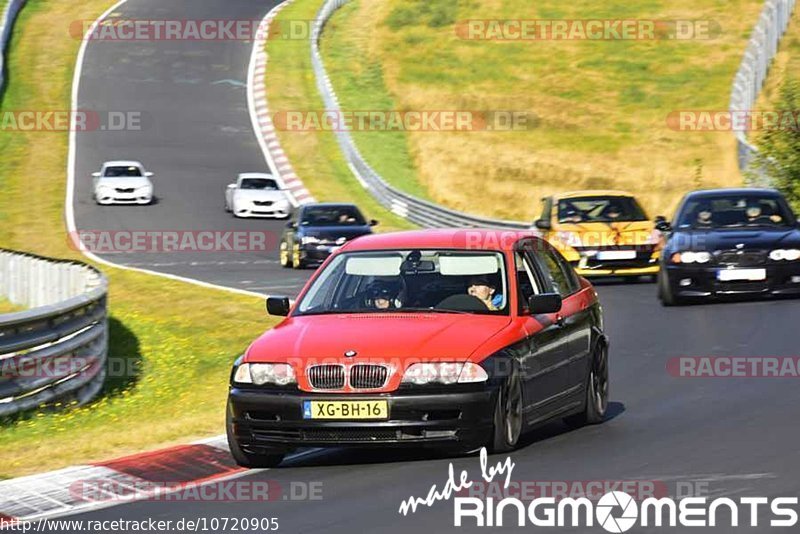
(436,310)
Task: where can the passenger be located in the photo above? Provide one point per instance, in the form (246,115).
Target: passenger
(484,289)
(613,211)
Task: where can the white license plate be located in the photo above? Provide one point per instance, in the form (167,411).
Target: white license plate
(750,275)
(616,255)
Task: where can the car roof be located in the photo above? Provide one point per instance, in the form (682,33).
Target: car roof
(466,239)
(329,205)
(710,193)
(122,163)
(593,193)
(256,175)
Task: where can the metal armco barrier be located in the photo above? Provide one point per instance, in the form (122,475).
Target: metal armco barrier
(10,9)
(57,349)
(418,211)
(752,73)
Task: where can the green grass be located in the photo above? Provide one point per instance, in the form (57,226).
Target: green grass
(315,155)
(174,341)
(601,105)
(361,87)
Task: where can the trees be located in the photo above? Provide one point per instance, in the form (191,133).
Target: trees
(779,146)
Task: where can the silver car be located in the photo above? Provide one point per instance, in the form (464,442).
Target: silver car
(122,182)
(258,195)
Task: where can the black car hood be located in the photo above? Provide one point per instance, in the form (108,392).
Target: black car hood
(335,232)
(727,239)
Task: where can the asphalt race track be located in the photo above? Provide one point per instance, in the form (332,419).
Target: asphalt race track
(195,135)
(739,437)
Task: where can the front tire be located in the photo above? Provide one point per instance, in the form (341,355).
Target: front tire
(665,293)
(508,415)
(596,401)
(284,256)
(297,257)
(247,459)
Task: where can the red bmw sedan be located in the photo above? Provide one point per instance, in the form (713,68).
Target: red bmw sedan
(449,338)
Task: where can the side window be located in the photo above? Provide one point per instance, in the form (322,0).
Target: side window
(526,280)
(557,272)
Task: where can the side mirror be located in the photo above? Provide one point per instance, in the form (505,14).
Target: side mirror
(149,174)
(543,224)
(292,225)
(662,224)
(373,222)
(278,306)
(544,303)
(96,174)
(231,186)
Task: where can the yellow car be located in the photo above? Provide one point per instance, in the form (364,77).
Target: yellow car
(602,233)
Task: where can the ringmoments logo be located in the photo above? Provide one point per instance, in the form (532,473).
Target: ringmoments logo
(615,511)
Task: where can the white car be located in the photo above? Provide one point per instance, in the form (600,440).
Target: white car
(258,195)
(122,182)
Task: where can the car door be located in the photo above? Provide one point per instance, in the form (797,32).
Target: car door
(542,352)
(575,316)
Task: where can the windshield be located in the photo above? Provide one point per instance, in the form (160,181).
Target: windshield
(735,212)
(432,281)
(332,216)
(123,172)
(264,184)
(604,209)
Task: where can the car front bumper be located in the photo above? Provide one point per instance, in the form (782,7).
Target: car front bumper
(275,211)
(271,419)
(702,281)
(316,253)
(124,198)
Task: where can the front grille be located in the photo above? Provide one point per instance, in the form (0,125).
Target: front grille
(326,376)
(350,434)
(363,376)
(263,202)
(124,189)
(742,258)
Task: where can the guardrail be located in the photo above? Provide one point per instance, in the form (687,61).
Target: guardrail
(57,349)
(10,10)
(752,73)
(416,210)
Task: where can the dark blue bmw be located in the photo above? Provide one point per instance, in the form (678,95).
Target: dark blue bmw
(727,242)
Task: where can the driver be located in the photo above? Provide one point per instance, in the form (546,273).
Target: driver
(704,215)
(482,288)
(383,296)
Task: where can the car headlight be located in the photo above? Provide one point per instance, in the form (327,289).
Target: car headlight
(309,240)
(785,254)
(444,373)
(280,374)
(691,257)
(144,188)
